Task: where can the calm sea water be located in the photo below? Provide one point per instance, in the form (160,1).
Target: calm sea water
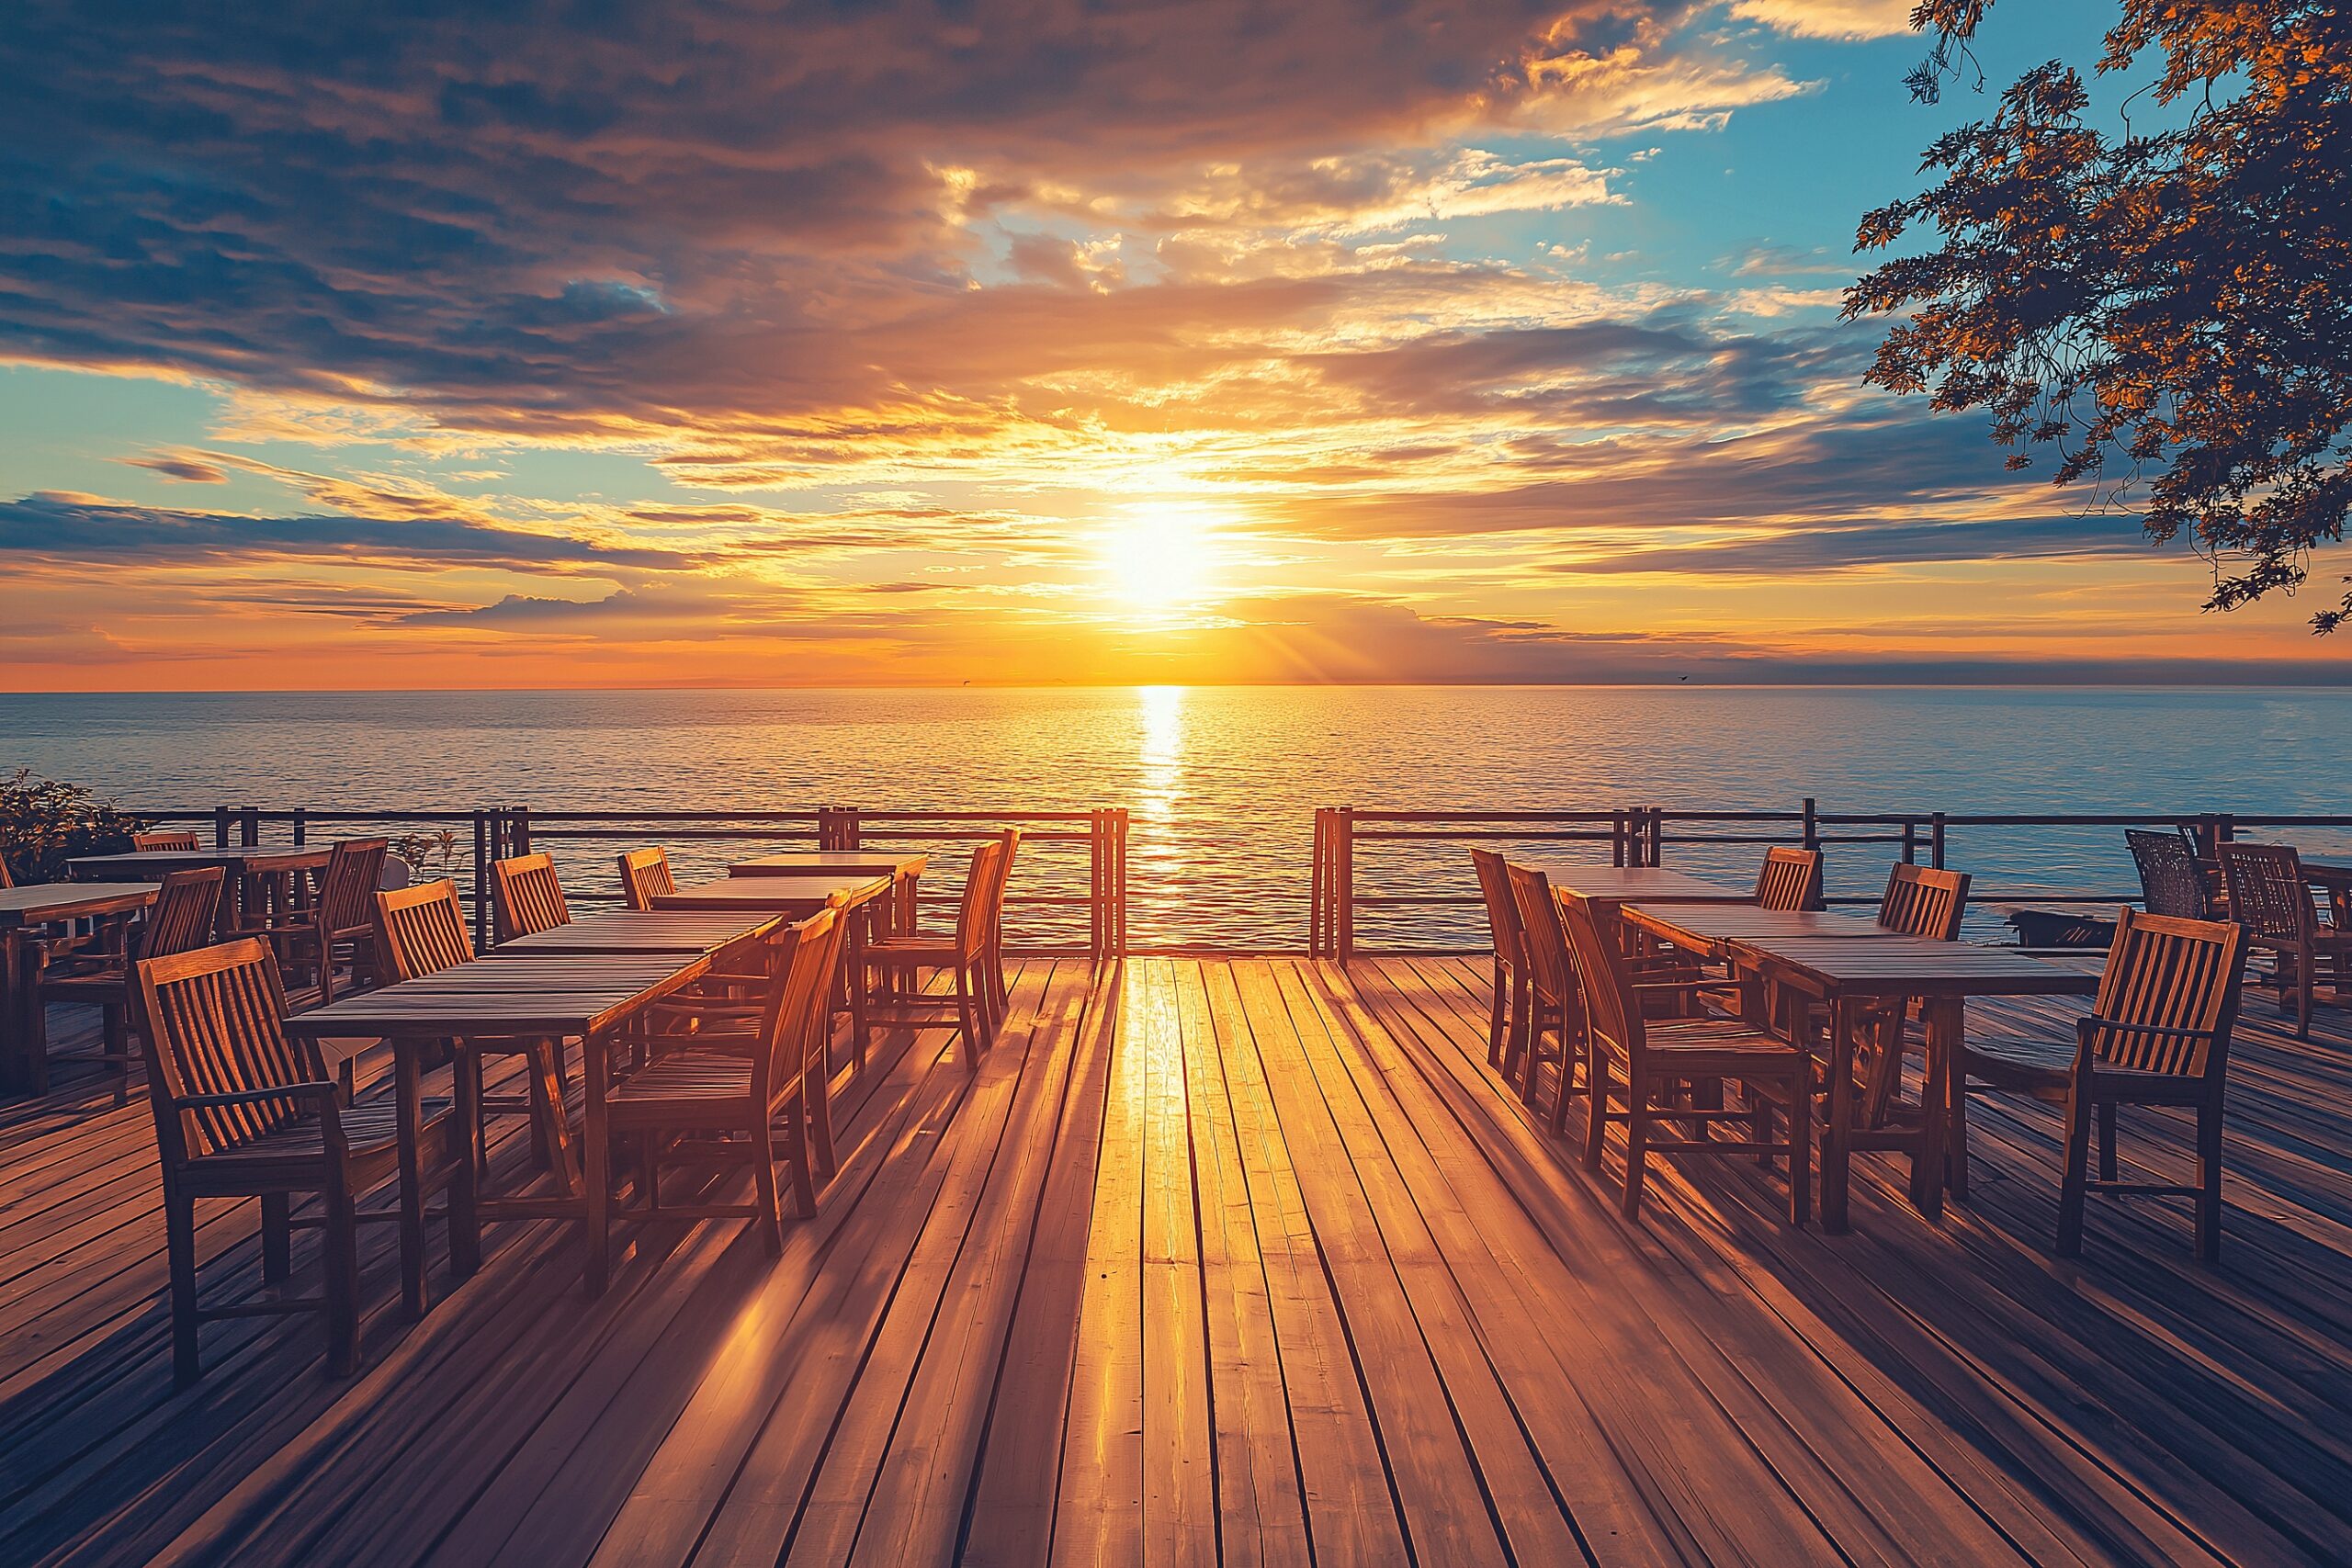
(1223,781)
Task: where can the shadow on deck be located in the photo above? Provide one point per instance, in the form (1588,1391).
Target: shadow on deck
(1227,1260)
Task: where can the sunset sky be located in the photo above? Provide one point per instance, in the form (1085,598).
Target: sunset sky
(779,343)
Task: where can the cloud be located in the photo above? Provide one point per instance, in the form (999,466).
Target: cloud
(180,466)
(1842,20)
(80,528)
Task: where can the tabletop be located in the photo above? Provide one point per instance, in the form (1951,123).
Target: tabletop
(803,894)
(243,860)
(1698,925)
(1912,966)
(569,994)
(629,931)
(1643,883)
(846,862)
(47,901)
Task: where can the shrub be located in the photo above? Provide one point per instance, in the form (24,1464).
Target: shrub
(44,823)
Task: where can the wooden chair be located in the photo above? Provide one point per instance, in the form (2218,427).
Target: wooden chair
(2270,898)
(1658,1056)
(529,898)
(645,876)
(2171,881)
(1507,1015)
(142,843)
(243,1111)
(1921,901)
(340,922)
(1553,1011)
(733,1103)
(421,931)
(2158,1035)
(180,920)
(1789,879)
(966,955)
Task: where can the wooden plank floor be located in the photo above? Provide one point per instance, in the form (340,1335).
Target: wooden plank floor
(1246,1261)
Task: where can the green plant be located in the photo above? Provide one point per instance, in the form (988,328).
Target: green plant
(45,822)
(422,849)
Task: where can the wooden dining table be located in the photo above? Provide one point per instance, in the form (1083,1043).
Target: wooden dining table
(631,931)
(553,996)
(24,912)
(263,882)
(898,913)
(1710,930)
(1841,972)
(1611,885)
(798,895)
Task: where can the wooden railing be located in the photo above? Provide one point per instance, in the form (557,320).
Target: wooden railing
(1048,879)
(1639,835)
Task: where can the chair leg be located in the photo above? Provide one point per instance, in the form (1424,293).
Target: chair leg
(1956,1136)
(341,1255)
(2076,1180)
(1596,1109)
(2306,982)
(964,1016)
(276,1236)
(1567,1082)
(2208,1184)
(818,1093)
(1638,1151)
(796,1148)
(1800,1146)
(179,1232)
(763,1172)
(2106,1140)
(114,1023)
(1497,1015)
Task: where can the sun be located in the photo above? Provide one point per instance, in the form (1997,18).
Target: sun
(1162,559)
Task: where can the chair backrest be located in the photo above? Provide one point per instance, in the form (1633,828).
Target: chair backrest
(346,889)
(185,912)
(800,997)
(1542,940)
(2171,882)
(972,911)
(2267,893)
(169,839)
(645,876)
(1613,1016)
(216,1025)
(1789,879)
(529,897)
(1502,911)
(1921,900)
(421,931)
(1010,838)
(2170,973)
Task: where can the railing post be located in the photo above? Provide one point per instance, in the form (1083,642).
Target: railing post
(1812,823)
(302,824)
(1344,946)
(1936,840)
(219,827)
(248,826)
(1657,836)
(1118,882)
(1910,843)
(518,831)
(481,881)
(1617,825)
(1314,887)
(1098,879)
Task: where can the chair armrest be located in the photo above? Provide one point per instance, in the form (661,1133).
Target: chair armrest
(306,1090)
(1705,983)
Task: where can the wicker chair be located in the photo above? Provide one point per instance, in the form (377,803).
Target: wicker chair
(2171,882)
(2269,897)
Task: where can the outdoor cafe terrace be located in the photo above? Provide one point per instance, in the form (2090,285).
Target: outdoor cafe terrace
(1275,1256)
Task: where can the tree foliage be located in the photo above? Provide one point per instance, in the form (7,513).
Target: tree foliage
(44,823)
(2170,312)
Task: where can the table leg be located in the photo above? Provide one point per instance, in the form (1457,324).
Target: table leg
(597,1158)
(1837,1138)
(465,1187)
(1944,1023)
(413,1295)
(16,1030)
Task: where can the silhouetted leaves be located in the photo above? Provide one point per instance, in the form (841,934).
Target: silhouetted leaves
(2170,313)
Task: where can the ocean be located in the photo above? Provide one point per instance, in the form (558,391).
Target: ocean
(1222,781)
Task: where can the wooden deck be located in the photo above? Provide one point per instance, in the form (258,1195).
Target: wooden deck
(1246,1261)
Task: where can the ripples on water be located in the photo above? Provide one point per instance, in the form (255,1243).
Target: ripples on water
(1222,781)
